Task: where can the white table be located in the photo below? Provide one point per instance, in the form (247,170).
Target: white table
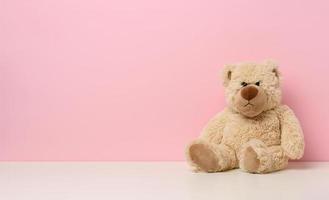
(156,180)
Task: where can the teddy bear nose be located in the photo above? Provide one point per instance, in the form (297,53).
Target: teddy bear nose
(249,92)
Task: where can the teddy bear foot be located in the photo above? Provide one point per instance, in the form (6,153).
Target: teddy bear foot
(204,157)
(249,161)
(256,157)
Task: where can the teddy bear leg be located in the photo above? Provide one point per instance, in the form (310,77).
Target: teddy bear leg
(256,157)
(208,157)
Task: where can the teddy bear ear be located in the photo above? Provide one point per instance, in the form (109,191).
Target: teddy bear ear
(274,67)
(227,74)
(276,72)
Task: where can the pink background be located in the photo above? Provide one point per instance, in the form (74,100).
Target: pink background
(137,80)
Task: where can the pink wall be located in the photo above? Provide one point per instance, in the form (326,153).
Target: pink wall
(137,80)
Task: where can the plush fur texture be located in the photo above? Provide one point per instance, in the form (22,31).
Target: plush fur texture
(255,132)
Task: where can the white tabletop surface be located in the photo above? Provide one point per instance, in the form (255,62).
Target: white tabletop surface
(156,180)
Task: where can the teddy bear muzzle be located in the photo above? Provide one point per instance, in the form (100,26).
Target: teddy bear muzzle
(249,92)
(250,101)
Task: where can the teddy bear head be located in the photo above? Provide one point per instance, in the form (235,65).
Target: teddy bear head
(252,88)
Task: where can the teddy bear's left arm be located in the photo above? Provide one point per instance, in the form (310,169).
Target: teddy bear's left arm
(292,139)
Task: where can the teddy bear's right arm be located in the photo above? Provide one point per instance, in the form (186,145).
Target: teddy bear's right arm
(213,131)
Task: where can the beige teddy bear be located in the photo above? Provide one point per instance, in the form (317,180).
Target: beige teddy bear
(255,132)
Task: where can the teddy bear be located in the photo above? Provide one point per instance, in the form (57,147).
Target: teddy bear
(255,132)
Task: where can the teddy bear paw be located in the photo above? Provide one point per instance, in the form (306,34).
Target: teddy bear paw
(249,160)
(203,157)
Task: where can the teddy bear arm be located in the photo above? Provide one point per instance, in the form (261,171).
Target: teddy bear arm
(292,139)
(213,131)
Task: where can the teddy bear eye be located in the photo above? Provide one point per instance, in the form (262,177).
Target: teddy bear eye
(244,84)
(257,83)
